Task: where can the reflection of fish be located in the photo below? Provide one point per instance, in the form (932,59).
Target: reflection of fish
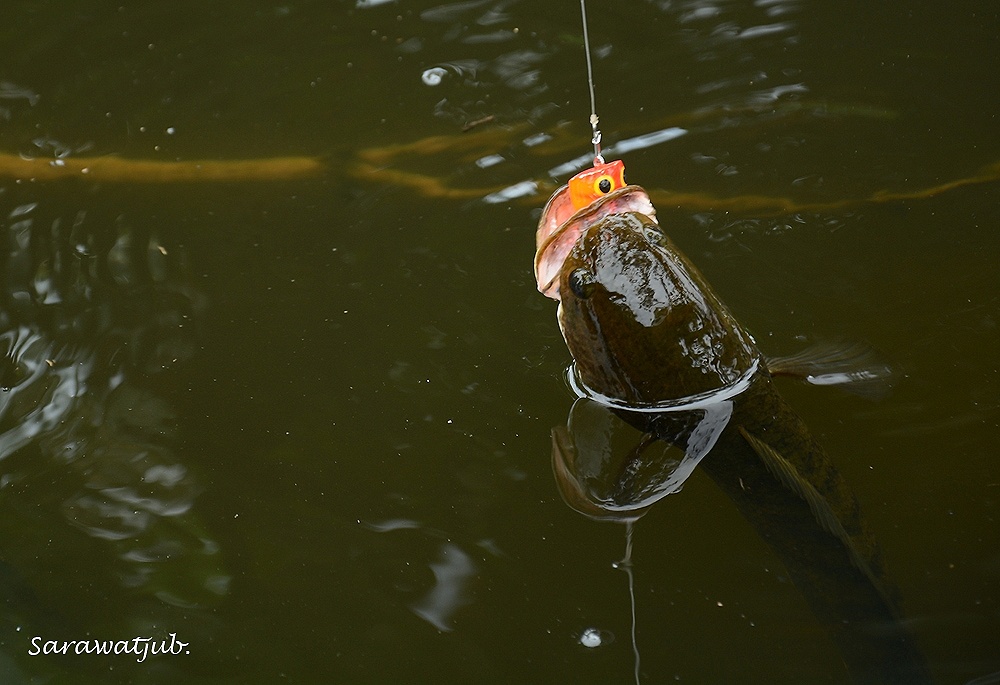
(653,343)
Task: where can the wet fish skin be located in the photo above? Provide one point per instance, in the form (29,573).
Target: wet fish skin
(642,339)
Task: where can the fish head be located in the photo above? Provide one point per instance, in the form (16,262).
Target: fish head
(642,324)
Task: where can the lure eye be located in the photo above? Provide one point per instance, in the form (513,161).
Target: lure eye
(594,183)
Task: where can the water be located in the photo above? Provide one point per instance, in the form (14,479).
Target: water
(305,425)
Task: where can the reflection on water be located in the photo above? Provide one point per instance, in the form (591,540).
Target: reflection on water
(451,574)
(794,498)
(94,309)
(599,479)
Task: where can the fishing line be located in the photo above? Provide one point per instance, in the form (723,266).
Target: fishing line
(626,565)
(596,140)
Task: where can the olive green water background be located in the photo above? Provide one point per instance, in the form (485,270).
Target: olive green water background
(361,400)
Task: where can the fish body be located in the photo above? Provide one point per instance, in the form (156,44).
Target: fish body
(654,344)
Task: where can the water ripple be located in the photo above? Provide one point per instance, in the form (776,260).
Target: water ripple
(92,305)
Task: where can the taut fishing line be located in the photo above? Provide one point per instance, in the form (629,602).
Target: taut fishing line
(598,159)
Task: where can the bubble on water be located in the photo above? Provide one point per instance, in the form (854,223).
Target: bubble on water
(595,637)
(434,76)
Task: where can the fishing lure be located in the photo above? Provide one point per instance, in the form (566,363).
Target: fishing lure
(588,196)
(596,182)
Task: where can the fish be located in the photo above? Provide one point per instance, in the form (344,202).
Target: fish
(654,345)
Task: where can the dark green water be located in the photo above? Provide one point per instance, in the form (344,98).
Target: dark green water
(310,435)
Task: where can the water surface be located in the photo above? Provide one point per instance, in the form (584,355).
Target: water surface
(305,425)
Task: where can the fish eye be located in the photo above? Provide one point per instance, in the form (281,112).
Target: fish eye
(581,282)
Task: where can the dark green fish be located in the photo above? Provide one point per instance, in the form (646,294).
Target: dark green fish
(653,345)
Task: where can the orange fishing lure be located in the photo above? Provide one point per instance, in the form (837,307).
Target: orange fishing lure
(598,181)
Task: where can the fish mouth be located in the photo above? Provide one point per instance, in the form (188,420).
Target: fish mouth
(560,227)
